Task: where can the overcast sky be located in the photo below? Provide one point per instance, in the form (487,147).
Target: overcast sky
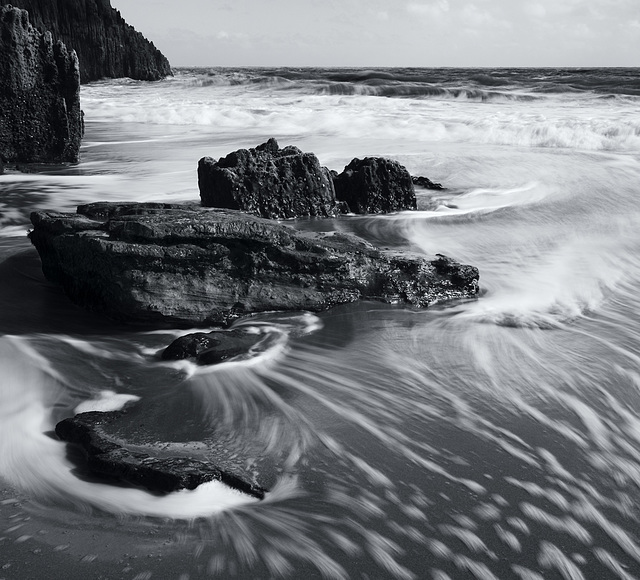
(426,33)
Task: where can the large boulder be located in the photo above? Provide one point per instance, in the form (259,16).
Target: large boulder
(269,182)
(375,185)
(172,264)
(106,45)
(156,471)
(40,116)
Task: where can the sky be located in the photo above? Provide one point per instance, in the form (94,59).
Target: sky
(367,33)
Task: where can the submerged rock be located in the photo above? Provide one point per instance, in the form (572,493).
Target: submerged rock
(40,116)
(269,182)
(106,45)
(375,185)
(209,348)
(184,265)
(161,474)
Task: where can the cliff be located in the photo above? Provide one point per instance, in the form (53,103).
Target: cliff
(40,116)
(107,47)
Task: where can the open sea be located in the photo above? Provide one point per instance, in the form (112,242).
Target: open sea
(494,438)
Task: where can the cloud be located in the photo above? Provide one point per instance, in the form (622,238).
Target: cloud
(431,9)
(474,16)
(535,10)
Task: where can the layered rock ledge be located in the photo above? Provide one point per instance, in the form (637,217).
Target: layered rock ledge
(40,116)
(174,264)
(162,474)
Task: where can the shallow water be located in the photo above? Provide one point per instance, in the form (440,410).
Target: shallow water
(488,438)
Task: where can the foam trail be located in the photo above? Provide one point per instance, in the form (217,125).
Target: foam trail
(106,401)
(36,463)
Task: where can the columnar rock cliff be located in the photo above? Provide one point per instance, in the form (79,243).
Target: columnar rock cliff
(40,116)
(106,45)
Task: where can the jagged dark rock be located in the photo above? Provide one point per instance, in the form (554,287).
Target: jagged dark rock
(425,182)
(40,116)
(106,45)
(375,185)
(183,265)
(269,182)
(461,275)
(161,474)
(209,348)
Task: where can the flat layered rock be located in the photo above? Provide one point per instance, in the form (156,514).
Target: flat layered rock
(161,474)
(177,265)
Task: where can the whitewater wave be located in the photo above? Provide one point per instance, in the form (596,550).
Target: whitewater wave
(411,112)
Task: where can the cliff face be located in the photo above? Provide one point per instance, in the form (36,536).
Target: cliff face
(40,116)
(107,47)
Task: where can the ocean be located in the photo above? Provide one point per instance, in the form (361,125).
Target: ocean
(493,438)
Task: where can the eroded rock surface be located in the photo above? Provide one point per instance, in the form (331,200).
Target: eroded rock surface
(375,185)
(268,182)
(172,264)
(40,116)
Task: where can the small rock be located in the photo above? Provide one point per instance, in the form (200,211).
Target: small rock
(425,182)
(212,347)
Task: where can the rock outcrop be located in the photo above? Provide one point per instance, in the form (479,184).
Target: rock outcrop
(185,265)
(276,183)
(40,116)
(158,473)
(375,185)
(268,182)
(105,44)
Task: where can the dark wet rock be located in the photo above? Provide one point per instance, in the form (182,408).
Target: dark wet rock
(425,182)
(209,348)
(162,474)
(461,275)
(105,44)
(375,185)
(40,116)
(189,266)
(269,182)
